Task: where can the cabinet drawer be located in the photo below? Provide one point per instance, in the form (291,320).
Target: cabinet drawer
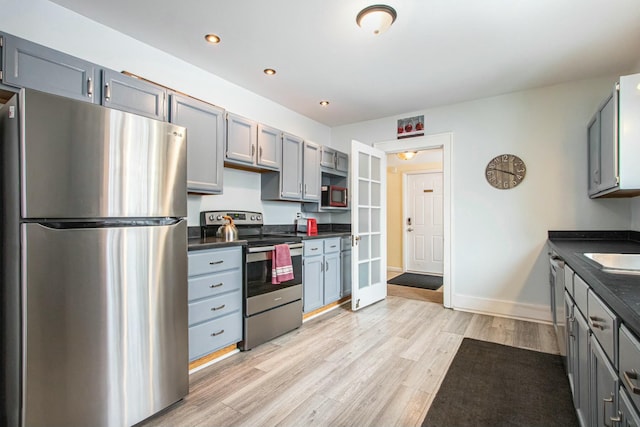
(603,324)
(568,280)
(211,308)
(313,247)
(630,363)
(331,245)
(203,262)
(214,335)
(214,284)
(580,290)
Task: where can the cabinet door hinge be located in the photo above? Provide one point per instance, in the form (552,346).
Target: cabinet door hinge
(1,41)
(1,75)
(617,180)
(618,86)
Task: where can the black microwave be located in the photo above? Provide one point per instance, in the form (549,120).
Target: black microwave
(334,196)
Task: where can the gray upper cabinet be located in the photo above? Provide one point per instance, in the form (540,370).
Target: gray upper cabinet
(133,95)
(328,158)
(269,147)
(613,142)
(311,172)
(291,172)
(333,161)
(299,176)
(241,140)
(342,162)
(205,142)
(30,65)
(252,145)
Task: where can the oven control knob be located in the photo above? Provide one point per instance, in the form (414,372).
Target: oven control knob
(253,217)
(219,217)
(212,217)
(259,217)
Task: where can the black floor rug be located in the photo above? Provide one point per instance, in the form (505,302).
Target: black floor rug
(423,281)
(496,385)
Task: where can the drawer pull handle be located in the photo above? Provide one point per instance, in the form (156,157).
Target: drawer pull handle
(216,262)
(314,249)
(629,377)
(218,308)
(332,246)
(604,410)
(595,318)
(216,285)
(215,334)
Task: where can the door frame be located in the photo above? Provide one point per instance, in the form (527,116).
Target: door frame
(445,142)
(405,208)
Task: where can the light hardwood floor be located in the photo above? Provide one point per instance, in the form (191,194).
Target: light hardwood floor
(380,366)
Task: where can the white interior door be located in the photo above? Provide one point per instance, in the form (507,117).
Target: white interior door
(368,225)
(424,223)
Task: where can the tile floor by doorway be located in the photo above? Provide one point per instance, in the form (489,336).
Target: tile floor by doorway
(413,293)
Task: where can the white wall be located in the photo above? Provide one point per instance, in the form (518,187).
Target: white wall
(499,236)
(53,26)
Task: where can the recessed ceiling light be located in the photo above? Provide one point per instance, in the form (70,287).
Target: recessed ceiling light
(324,103)
(376,19)
(269,71)
(212,38)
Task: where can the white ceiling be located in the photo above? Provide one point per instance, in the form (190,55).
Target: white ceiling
(437,52)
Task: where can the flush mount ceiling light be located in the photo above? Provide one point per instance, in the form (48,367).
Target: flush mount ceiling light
(376,19)
(269,71)
(324,103)
(407,155)
(212,38)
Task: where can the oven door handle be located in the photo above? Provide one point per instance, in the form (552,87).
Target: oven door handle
(292,249)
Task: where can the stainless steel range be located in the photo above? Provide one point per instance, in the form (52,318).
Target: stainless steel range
(269,310)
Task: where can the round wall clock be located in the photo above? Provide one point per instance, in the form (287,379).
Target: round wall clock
(505,171)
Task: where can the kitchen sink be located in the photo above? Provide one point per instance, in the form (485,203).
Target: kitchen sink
(616,263)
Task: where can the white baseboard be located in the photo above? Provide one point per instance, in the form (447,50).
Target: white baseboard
(394,269)
(501,308)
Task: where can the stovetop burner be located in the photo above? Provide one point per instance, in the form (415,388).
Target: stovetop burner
(249,225)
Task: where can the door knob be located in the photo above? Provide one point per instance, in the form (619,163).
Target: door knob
(409,229)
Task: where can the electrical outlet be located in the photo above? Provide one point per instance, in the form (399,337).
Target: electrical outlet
(298,215)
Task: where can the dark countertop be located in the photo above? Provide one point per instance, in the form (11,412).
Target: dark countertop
(322,235)
(620,291)
(202,243)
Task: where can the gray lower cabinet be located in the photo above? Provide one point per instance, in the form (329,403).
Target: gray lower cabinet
(321,273)
(31,65)
(345,257)
(205,142)
(215,300)
(629,372)
(133,95)
(604,385)
(627,415)
(581,373)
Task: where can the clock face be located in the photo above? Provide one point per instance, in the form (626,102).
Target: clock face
(505,171)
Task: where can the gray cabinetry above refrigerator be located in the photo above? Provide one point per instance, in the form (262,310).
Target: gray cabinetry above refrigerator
(133,95)
(31,65)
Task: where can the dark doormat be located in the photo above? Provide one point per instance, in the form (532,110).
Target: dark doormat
(424,281)
(496,385)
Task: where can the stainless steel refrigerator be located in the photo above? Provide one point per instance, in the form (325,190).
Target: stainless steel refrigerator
(94,264)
